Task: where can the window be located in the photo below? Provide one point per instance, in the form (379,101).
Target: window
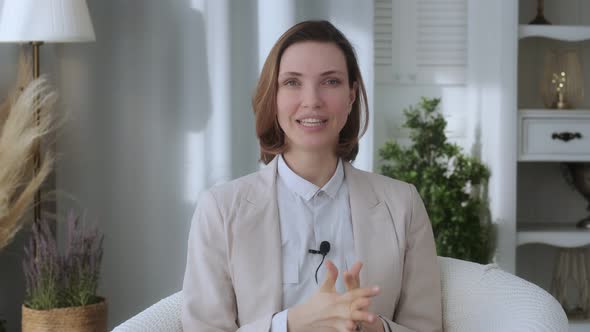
(421,41)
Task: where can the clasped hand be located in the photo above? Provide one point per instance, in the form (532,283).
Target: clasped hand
(328,310)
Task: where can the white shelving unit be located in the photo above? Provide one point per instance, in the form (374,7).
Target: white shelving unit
(557,235)
(540,152)
(570,33)
(579,326)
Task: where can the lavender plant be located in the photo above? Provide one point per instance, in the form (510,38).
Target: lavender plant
(42,269)
(81,264)
(55,280)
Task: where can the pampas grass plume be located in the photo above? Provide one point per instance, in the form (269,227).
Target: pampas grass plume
(20,132)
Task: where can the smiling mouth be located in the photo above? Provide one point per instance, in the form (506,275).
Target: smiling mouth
(311,123)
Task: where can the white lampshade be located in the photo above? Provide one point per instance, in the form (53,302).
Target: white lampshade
(49,21)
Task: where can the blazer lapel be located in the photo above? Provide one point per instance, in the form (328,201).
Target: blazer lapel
(375,240)
(257,249)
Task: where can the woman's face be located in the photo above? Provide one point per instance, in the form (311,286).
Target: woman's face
(313,98)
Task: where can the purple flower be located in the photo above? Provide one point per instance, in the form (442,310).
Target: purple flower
(56,280)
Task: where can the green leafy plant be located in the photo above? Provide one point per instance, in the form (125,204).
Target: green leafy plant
(451,183)
(55,280)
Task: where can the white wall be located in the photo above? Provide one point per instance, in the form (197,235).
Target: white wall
(134,147)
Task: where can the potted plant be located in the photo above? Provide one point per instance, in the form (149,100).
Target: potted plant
(61,288)
(451,184)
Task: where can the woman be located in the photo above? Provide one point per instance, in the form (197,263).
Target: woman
(251,264)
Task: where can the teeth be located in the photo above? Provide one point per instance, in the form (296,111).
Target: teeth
(311,124)
(311,121)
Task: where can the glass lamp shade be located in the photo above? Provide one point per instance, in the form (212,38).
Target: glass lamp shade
(562,74)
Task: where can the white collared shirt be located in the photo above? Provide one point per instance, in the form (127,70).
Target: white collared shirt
(309,215)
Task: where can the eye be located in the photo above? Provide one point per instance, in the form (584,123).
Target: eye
(291,82)
(332,81)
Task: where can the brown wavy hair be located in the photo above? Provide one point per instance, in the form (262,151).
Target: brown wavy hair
(264,103)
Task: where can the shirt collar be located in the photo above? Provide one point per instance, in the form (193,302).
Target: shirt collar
(306,189)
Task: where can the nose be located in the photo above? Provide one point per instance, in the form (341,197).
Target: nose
(311,97)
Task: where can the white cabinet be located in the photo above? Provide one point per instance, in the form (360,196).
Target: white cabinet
(547,208)
(554,135)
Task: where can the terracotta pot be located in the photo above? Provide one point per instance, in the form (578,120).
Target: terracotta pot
(88,318)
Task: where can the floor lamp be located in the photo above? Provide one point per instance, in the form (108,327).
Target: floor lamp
(37,22)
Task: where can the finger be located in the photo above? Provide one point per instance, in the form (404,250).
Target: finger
(362,304)
(329,283)
(349,281)
(351,277)
(349,325)
(356,269)
(362,316)
(337,324)
(360,292)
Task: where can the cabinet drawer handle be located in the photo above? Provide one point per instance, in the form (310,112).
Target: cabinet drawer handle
(566,136)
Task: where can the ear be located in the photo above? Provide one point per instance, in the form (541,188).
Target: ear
(352,94)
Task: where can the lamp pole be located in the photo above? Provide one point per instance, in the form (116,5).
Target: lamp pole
(37,157)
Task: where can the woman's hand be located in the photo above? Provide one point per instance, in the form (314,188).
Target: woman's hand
(327,310)
(352,282)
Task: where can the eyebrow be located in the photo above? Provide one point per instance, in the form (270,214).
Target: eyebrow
(326,73)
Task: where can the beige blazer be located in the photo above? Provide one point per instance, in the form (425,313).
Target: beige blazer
(233,278)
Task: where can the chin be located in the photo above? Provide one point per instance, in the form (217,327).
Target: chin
(315,146)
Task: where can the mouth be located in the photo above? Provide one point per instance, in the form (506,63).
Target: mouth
(312,122)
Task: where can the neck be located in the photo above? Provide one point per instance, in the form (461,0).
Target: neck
(316,167)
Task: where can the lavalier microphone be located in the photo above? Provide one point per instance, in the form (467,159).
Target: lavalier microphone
(324,250)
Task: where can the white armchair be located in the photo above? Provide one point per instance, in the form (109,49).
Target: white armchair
(476,297)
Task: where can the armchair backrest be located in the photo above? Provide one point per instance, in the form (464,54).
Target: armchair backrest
(484,298)
(476,297)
